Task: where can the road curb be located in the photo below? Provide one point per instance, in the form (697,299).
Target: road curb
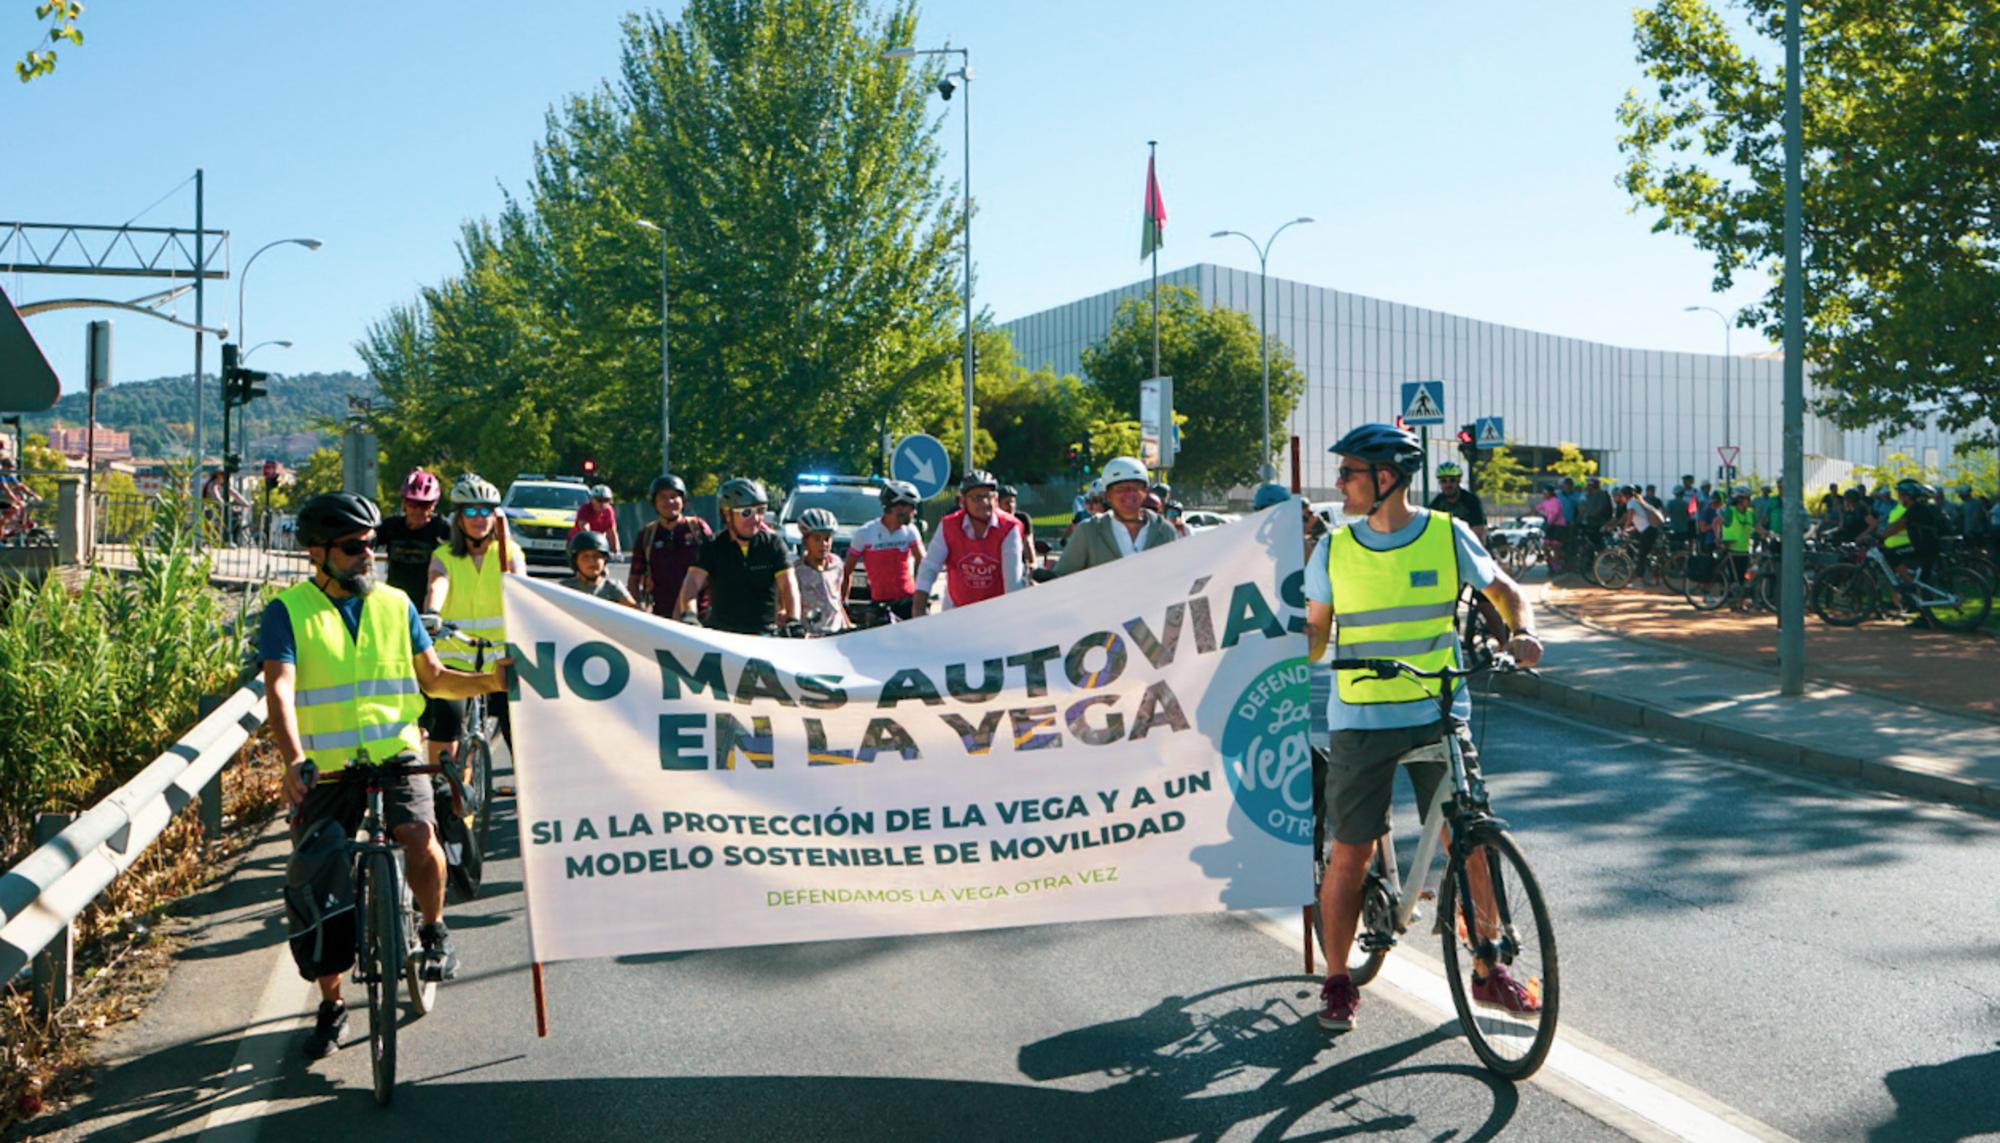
(1631,714)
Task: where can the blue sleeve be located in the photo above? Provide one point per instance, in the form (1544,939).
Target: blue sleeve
(1476,568)
(1319,585)
(420,639)
(274,635)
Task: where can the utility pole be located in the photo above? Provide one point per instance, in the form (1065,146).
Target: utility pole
(1792,561)
(200,263)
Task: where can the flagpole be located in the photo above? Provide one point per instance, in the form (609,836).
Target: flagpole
(1152,150)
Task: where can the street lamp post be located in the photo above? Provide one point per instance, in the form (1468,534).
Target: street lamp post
(242,278)
(280,342)
(950,82)
(664,423)
(1728,362)
(1265,469)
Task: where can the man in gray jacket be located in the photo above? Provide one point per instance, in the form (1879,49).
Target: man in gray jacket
(1127,529)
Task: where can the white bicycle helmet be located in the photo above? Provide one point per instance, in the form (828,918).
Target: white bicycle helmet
(472,489)
(818,520)
(600,492)
(1120,469)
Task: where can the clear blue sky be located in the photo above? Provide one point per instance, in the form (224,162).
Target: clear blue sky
(1458,155)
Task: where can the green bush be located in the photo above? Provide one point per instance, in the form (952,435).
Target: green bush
(95,681)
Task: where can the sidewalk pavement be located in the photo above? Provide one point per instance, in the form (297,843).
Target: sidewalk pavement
(1873,739)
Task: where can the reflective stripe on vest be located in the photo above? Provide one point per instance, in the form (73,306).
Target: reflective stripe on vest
(472,603)
(1394,604)
(353,690)
(1902,538)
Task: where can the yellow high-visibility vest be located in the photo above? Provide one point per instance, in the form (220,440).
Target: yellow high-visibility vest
(1902,538)
(472,602)
(353,691)
(1394,604)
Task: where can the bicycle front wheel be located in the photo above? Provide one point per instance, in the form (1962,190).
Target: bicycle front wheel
(1613,568)
(1844,595)
(384,950)
(1500,955)
(1711,593)
(1972,598)
(478,755)
(1674,572)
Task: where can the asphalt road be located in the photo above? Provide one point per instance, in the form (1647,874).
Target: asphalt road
(1818,959)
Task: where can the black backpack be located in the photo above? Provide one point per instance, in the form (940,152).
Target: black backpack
(319,900)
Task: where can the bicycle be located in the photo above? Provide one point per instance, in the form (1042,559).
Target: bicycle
(1848,594)
(1617,566)
(1738,578)
(473,749)
(386,945)
(1487,881)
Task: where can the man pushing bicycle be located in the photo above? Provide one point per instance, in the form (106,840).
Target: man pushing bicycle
(346,666)
(1391,584)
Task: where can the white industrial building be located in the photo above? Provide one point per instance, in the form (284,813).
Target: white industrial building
(1646,415)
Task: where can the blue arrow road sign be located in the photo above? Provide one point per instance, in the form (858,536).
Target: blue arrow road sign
(1491,432)
(1423,403)
(920,459)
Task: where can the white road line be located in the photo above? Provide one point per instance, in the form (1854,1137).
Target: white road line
(283,993)
(1597,1079)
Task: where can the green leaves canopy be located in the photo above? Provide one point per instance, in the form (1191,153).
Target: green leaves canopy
(808,262)
(1901,121)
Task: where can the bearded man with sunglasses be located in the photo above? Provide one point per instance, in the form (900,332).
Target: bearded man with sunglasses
(1391,583)
(346,666)
(743,567)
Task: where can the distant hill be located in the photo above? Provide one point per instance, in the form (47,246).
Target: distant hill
(158,413)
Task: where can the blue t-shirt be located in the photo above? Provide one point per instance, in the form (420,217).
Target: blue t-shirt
(275,641)
(1476,570)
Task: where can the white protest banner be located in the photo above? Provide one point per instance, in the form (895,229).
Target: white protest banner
(1127,741)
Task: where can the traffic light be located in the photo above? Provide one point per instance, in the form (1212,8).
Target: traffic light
(590,466)
(232,463)
(1073,454)
(1468,443)
(240,386)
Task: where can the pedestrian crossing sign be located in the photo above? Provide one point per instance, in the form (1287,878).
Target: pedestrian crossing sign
(1423,402)
(1490,432)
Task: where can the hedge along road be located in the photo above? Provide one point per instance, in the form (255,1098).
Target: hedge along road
(1798,953)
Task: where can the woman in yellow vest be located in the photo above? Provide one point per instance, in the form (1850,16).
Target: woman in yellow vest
(1390,582)
(346,666)
(465,592)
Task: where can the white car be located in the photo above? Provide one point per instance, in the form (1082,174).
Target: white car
(1202,519)
(1526,527)
(1329,512)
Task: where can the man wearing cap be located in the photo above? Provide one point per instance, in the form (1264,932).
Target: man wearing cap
(1126,530)
(977,545)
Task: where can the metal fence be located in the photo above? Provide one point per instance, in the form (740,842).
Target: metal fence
(251,545)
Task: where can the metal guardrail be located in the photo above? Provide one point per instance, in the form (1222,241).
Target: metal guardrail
(42,895)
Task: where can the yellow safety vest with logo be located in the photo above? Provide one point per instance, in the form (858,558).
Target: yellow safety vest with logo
(1902,538)
(1737,526)
(353,691)
(472,603)
(1394,604)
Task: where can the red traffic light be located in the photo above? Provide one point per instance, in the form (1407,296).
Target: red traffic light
(590,466)
(1465,434)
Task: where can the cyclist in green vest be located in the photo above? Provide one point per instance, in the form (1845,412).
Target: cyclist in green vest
(346,666)
(464,590)
(1912,539)
(1736,528)
(1391,583)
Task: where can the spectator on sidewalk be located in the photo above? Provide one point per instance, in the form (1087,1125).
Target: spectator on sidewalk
(1652,497)
(1682,504)
(1971,514)
(1597,511)
(1707,519)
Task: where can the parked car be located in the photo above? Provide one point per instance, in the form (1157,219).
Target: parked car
(1202,519)
(540,511)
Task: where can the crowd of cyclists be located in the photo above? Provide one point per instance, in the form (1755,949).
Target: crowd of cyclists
(353,668)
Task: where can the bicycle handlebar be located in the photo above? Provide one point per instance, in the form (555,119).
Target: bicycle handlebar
(451,631)
(1390,668)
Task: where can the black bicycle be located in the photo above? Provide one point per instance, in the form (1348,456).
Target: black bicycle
(474,749)
(1495,930)
(387,950)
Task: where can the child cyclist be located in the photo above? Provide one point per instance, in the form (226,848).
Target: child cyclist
(819,574)
(589,552)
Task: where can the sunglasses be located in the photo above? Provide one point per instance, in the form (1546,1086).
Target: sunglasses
(1346,472)
(353,547)
(477,511)
(753,510)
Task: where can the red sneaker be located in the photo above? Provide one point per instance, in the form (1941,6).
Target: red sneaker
(1503,991)
(1338,999)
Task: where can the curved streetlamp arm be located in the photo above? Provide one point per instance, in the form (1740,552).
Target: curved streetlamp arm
(33,308)
(243,274)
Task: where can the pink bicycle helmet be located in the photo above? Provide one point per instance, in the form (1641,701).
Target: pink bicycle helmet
(422,487)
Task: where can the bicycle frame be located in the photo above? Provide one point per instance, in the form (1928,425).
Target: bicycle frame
(1924,595)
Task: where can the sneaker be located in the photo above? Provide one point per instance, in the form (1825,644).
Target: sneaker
(1338,999)
(327,1030)
(440,955)
(1500,990)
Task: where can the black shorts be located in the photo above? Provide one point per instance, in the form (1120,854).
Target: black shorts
(1361,776)
(407,799)
(444,719)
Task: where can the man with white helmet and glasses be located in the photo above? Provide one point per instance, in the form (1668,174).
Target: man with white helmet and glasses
(888,549)
(1389,582)
(464,591)
(977,547)
(1126,530)
(346,666)
(597,515)
(743,567)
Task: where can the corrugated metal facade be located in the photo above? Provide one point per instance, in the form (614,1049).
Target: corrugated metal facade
(1651,415)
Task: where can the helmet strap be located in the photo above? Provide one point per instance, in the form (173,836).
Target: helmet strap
(1395,490)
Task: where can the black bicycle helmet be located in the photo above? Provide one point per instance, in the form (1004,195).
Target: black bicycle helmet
(331,515)
(740,493)
(662,483)
(1915,489)
(587,541)
(1007,491)
(1385,445)
(977,478)
(896,492)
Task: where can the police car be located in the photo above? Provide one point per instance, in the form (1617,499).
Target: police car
(540,511)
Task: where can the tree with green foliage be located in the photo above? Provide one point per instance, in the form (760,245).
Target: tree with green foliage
(322,472)
(1212,355)
(1032,417)
(1901,118)
(1111,437)
(1501,478)
(809,255)
(1571,462)
(41,464)
(60,16)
